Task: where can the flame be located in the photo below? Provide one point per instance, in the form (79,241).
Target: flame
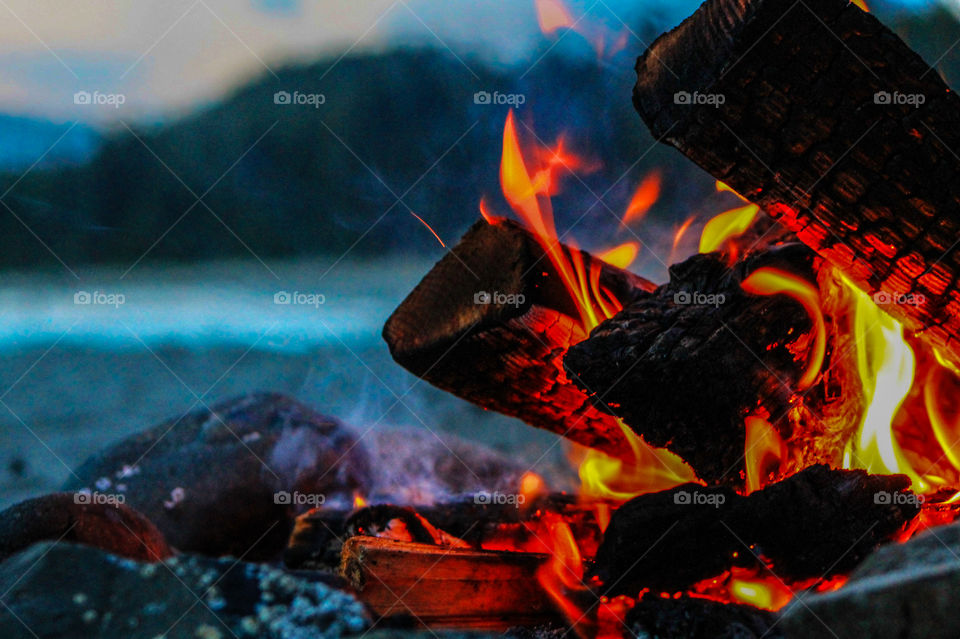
(621,256)
(643,198)
(532,486)
(650,470)
(562,575)
(771,281)
(553,15)
(764,448)
(886,367)
(359,501)
(768,594)
(862,4)
(728,224)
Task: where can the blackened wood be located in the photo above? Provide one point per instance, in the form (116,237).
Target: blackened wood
(687,364)
(506,356)
(809,109)
(694,618)
(817,523)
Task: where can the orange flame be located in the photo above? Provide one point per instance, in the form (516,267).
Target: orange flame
(771,281)
(553,15)
(429,228)
(643,198)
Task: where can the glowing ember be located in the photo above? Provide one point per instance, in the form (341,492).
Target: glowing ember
(429,228)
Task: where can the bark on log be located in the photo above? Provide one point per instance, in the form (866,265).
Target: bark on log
(810,109)
(817,523)
(686,365)
(506,355)
(447,587)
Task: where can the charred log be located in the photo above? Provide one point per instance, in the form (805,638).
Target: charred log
(694,618)
(686,365)
(490,323)
(824,117)
(817,523)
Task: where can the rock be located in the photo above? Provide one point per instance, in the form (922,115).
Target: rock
(68,591)
(902,591)
(231,479)
(81,518)
(693,618)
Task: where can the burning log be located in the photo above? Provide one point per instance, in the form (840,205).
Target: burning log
(490,323)
(318,535)
(687,365)
(825,118)
(817,523)
(447,587)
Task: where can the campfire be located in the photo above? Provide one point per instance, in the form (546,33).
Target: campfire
(752,428)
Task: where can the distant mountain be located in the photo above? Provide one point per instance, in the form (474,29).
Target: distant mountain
(314,161)
(24,140)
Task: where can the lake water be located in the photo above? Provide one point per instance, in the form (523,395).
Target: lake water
(87,361)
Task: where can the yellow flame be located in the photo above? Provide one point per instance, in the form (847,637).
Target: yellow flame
(621,256)
(728,224)
(650,470)
(886,367)
(771,281)
(763,446)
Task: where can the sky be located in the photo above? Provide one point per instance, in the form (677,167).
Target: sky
(170,56)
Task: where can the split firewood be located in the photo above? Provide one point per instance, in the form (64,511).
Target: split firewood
(687,365)
(815,524)
(825,118)
(490,323)
(447,587)
(318,535)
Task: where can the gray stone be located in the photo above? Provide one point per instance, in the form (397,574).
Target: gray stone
(902,591)
(62,590)
(210,480)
